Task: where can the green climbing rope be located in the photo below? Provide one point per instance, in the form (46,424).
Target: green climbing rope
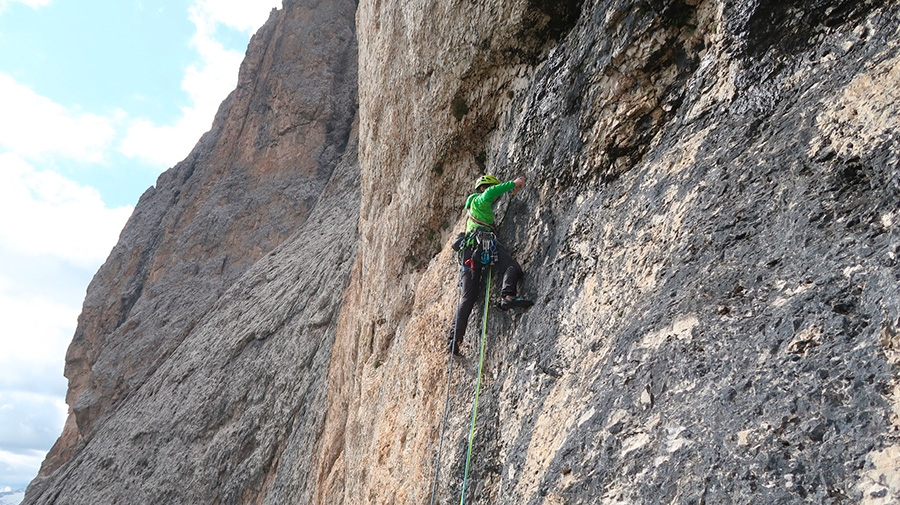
(487,292)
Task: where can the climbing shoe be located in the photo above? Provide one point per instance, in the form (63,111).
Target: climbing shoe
(510,302)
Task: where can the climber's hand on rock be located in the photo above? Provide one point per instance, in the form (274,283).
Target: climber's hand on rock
(519,182)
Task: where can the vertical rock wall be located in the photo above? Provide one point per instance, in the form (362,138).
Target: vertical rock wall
(709,231)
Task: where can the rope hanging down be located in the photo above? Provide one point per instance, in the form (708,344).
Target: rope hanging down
(487,292)
(437,464)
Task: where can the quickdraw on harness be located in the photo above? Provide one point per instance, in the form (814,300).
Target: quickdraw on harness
(481,245)
(485,246)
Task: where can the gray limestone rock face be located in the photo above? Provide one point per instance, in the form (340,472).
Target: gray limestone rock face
(709,231)
(230,415)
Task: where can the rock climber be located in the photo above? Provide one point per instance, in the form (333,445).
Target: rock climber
(480,248)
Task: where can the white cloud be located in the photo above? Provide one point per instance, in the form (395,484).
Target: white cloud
(241,15)
(36,332)
(51,231)
(163,146)
(206,82)
(45,213)
(34,4)
(36,127)
(17,469)
(30,422)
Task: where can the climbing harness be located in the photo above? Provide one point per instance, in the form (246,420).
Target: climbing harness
(487,291)
(478,221)
(482,246)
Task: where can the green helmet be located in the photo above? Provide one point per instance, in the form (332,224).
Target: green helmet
(486,180)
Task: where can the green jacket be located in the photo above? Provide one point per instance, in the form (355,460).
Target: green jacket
(480,205)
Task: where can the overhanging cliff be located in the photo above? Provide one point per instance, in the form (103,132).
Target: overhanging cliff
(710,231)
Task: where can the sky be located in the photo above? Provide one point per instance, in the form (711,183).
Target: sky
(97,98)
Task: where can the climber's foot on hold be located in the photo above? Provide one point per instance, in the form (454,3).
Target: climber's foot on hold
(511,302)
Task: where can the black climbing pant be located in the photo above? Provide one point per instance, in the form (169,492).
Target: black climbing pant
(471,285)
